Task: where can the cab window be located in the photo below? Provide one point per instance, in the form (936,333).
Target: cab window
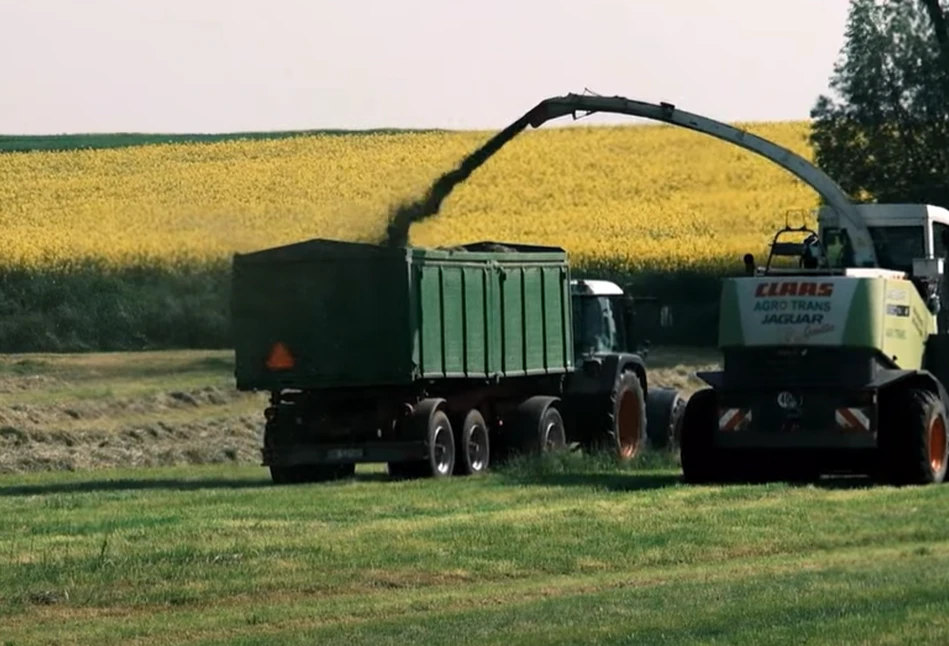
(895,246)
(940,229)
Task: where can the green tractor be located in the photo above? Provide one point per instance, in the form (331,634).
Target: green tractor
(610,336)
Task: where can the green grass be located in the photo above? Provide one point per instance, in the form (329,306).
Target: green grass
(62,142)
(561,552)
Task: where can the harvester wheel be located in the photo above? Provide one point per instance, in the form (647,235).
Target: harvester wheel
(622,431)
(914,447)
(473,445)
(664,408)
(701,462)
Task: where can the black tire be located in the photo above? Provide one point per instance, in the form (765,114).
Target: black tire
(473,445)
(912,447)
(622,430)
(276,436)
(700,458)
(430,424)
(538,427)
(407,470)
(664,408)
(306,473)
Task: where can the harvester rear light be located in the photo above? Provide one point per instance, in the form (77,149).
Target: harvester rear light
(733,419)
(853,419)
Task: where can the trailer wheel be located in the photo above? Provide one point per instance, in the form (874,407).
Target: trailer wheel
(428,423)
(664,408)
(304,473)
(538,426)
(473,445)
(701,461)
(914,442)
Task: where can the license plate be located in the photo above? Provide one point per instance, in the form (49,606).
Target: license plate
(343,454)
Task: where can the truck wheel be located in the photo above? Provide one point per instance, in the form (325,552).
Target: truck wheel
(473,445)
(913,438)
(664,408)
(538,427)
(701,462)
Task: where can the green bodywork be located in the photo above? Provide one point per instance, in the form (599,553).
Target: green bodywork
(885,314)
(355,315)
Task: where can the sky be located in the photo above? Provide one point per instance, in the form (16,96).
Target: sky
(72,66)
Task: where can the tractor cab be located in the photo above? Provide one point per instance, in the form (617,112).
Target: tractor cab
(600,317)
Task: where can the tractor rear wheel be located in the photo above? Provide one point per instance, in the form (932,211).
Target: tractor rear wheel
(914,441)
(622,415)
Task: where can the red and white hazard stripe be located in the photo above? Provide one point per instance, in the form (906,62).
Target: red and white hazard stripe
(852,419)
(731,419)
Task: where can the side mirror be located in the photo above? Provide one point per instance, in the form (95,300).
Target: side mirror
(931,268)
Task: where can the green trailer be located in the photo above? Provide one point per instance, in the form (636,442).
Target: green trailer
(435,361)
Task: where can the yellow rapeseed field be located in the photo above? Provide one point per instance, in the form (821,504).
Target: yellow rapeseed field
(632,196)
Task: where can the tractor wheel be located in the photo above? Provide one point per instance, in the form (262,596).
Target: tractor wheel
(622,431)
(538,427)
(913,446)
(664,408)
(701,460)
(473,445)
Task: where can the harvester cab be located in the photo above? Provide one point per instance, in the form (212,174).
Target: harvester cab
(909,238)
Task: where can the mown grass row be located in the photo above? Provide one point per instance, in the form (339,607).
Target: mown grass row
(564,552)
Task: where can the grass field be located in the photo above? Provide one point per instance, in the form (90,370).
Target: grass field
(538,555)
(133,511)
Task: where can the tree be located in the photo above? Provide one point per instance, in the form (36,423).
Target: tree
(884,136)
(940,25)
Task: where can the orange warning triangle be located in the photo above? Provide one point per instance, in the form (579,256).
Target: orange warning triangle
(280,357)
